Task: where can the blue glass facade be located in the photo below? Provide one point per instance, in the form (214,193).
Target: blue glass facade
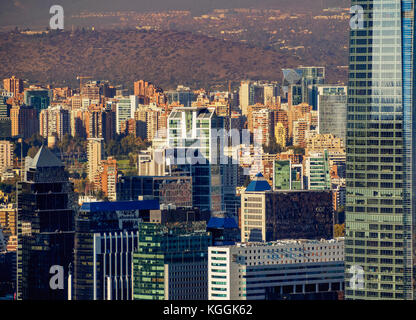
(380,153)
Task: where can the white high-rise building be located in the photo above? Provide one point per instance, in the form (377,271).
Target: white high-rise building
(125,109)
(282,269)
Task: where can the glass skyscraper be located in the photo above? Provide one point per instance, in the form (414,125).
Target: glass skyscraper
(380,153)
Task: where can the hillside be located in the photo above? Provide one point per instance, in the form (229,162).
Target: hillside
(165,58)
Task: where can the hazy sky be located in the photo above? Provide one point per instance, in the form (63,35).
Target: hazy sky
(27,12)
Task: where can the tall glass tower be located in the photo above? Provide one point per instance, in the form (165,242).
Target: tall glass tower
(380,152)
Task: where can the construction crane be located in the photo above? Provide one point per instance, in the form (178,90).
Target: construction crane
(80,81)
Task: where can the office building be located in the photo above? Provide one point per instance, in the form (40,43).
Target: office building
(287,175)
(24,121)
(181,96)
(317,171)
(106,235)
(268,215)
(380,208)
(171,263)
(45,228)
(171,214)
(278,270)
(301,84)
(37,98)
(125,109)
(332,110)
(174,190)
(224,229)
(192,133)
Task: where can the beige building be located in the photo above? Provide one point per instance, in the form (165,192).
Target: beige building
(95,155)
(263,126)
(6,155)
(320,142)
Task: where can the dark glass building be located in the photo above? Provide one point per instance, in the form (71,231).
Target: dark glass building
(171,262)
(381,159)
(45,228)
(106,235)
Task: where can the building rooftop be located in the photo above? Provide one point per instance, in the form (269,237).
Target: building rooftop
(222,223)
(259,184)
(120,205)
(285,242)
(45,159)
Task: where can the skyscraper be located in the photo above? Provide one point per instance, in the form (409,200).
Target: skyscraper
(171,263)
(332,110)
(126,107)
(45,228)
(380,200)
(192,133)
(24,121)
(106,235)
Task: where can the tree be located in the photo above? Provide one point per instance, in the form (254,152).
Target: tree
(273,147)
(298,150)
(33,151)
(247,181)
(339,230)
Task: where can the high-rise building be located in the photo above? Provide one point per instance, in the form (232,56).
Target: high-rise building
(54,121)
(301,84)
(4,108)
(147,92)
(24,121)
(278,270)
(318,143)
(5,127)
(125,109)
(171,263)
(381,174)
(280,135)
(182,95)
(191,132)
(317,171)
(287,175)
(332,110)
(37,98)
(91,90)
(6,155)
(168,190)
(263,126)
(95,150)
(268,215)
(244,97)
(46,203)
(106,179)
(106,235)
(300,128)
(13,85)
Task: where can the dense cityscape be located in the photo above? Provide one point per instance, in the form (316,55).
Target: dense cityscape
(293,189)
